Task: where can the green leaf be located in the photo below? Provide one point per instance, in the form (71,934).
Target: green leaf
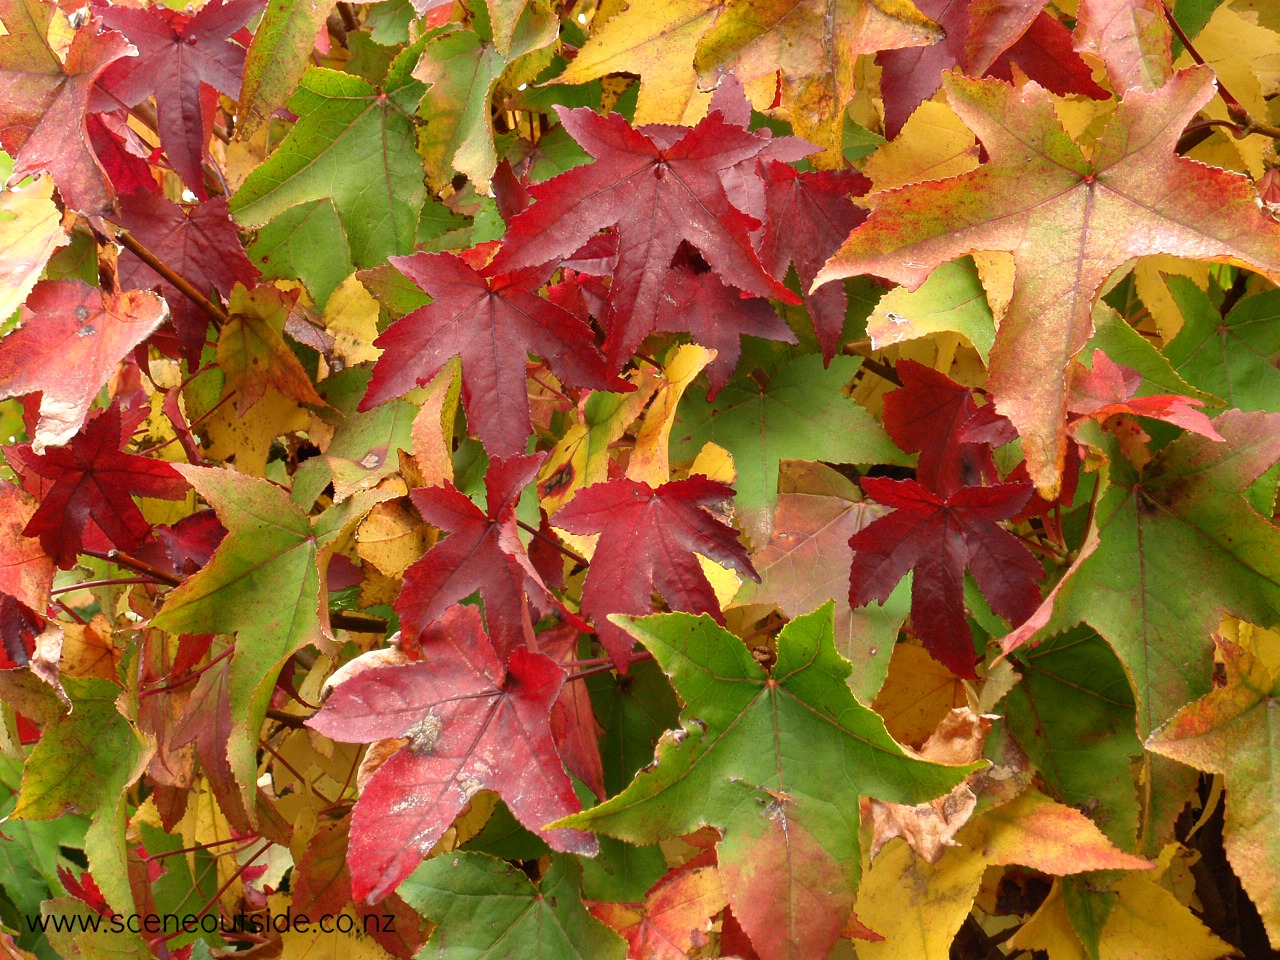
(1126,346)
(277,57)
(1232,357)
(483,907)
(264,583)
(352,144)
(84,761)
(951,300)
(791,410)
(305,243)
(777,761)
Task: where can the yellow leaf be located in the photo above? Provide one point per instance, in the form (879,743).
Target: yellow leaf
(933,144)
(351,316)
(915,905)
(656,39)
(649,459)
(1148,923)
(252,352)
(88,649)
(1154,292)
(918,693)
(345,940)
(1050,930)
(248,438)
(391,537)
(30,230)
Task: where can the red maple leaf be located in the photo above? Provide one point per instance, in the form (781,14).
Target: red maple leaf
(658,185)
(88,484)
(199,242)
(181,60)
(482,552)
(471,724)
(808,216)
(938,538)
(492,322)
(71,341)
(1108,389)
(929,415)
(573,718)
(43,102)
(649,541)
(983,39)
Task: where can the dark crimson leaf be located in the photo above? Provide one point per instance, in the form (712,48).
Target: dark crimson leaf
(649,541)
(808,216)
(471,725)
(70,343)
(199,242)
(181,60)
(482,552)
(43,102)
(938,538)
(928,415)
(88,484)
(658,185)
(492,322)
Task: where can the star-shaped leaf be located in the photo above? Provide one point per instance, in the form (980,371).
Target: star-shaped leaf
(776,761)
(43,102)
(1235,731)
(649,541)
(813,44)
(471,724)
(1041,199)
(89,484)
(482,552)
(659,186)
(71,342)
(492,323)
(938,538)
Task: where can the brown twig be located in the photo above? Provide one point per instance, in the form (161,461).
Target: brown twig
(131,244)
(128,562)
(538,534)
(357,622)
(881,370)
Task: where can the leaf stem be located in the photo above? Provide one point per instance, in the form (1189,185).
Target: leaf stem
(131,244)
(357,622)
(640,657)
(881,370)
(129,562)
(110,582)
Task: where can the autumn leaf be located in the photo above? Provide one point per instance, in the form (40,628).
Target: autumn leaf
(651,539)
(1039,194)
(471,724)
(71,341)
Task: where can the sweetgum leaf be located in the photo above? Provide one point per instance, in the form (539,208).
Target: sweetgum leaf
(265,583)
(471,724)
(199,242)
(277,56)
(1041,199)
(1131,37)
(482,552)
(179,59)
(650,539)
(492,322)
(659,186)
(939,537)
(344,121)
(86,486)
(483,907)
(26,571)
(70,344)
(1235,731)
(43,102)
(776,761)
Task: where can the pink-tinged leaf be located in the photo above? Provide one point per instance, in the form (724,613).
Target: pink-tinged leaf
(199,242)
(659,186)
(492,322)
(181,60)
(43,102)
(1108,389)
(939,538)
(88,485)
(70,343)
(649,541)
(1042,200)
(471,724)
(930,414)
(483,551)
(808,216)
(26,572)
(1131,37)
(573,718)
(676,918)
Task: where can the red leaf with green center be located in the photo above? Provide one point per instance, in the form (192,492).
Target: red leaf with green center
(181,60)
(90,483)
(492,322)
(658,185)
(939,538)
(649,541)
(1043,200)
(471,725)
